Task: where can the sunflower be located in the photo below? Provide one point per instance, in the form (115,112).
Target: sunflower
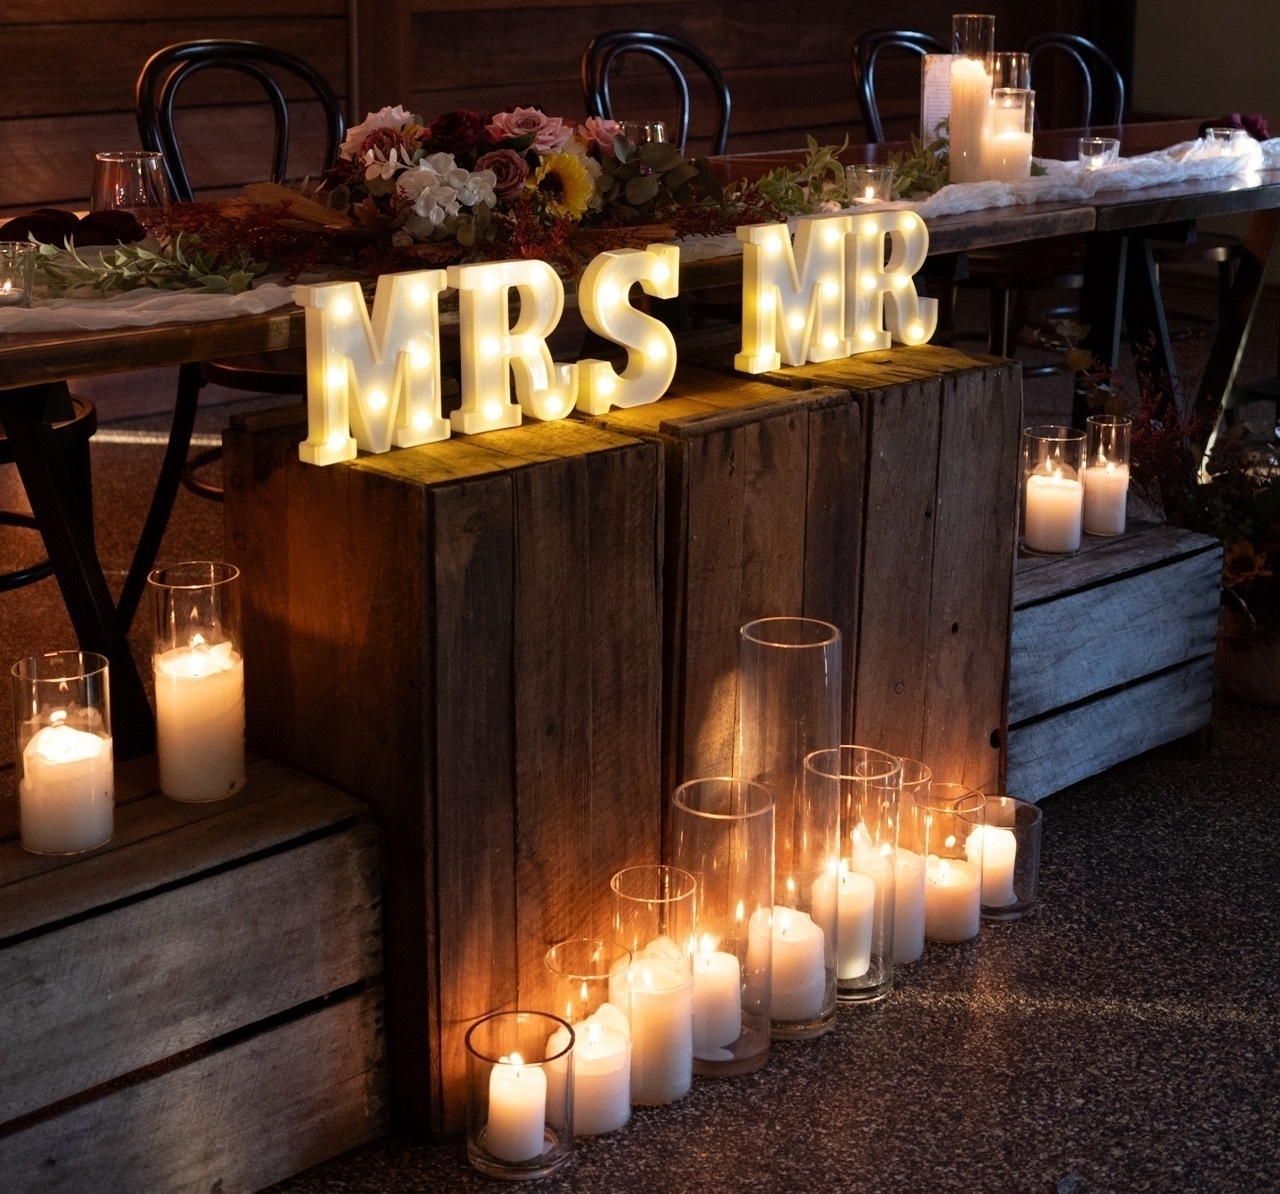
(1243,563)
(562,186)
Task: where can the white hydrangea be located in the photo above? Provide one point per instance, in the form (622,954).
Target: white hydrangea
(438,188)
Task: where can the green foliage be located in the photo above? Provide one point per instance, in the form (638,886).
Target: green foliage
(819,180)
(640,179)
(177,265)
(923,171)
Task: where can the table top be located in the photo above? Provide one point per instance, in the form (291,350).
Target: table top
(29,358)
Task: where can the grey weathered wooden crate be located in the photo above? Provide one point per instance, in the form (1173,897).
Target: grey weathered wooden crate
(1112,653)
(197,1004)
(468,635)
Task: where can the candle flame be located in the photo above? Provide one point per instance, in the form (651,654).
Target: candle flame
(950,842)
(738,915)
(516,1062)
(8,286)
(708,947)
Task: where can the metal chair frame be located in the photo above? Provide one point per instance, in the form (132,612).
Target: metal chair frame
(1096,70)
(867,47)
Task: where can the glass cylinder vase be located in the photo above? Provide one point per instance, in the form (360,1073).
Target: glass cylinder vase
(722,834)
(973,38)
(1052,492)
(1010,857)
(62,729)
(1008,151)
(788,707)
(953,822)
(854,900)
(513,1131)
(1106,474)
(582,971)
(908,898)
(199,674)
(654,911)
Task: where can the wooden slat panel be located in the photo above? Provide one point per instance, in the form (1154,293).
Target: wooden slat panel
(75,12)
(260,1110)
(1048,755)
(120,991)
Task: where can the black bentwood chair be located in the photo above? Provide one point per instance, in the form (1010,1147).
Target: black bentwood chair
(867,48)
(601,57)
(273,373)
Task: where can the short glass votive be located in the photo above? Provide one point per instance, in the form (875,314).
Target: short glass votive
(1010,68)
(1096,152)
(653,917)
(953,821)
(908,899)
(62,727)
(1106,474)
(199,674)
(1227,140)
(722,833)
(17,272)
(581,972)
(1008,154)
(1010,857)
(512,1130)
(869,183)
(1052,492)
(643,132)
(854,901)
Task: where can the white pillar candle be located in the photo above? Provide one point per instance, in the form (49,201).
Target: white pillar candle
(1008,156)
(601,1073)
(760,949)
(908,907)
(994,849)
(970,111)
(200,721)
(1106,492)
(661,1028)
(799,966)
(952,899)
(65,797)
(517,1110)
(717,1000)
(1054,513)
(851,912)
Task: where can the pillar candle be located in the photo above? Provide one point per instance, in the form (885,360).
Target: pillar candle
(717,999)
(970,108)
(850,914)
(601,1073)
(994,849)
(1054,513)
(799,966)
(952,899)
(661,1027)
(1106,492)
(66,793)
(1008,156)
(908,907)
(517,1110)
(200,721)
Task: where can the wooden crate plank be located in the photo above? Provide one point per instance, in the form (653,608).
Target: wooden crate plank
(1046,756)
(1095,639)
(237,1119)
(112,993)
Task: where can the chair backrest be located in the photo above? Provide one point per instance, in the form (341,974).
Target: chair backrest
(603,52)
(1101,84)
(866,49)
(166,70)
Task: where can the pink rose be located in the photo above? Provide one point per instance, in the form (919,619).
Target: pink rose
(549,132)
(598,132)
(510,171)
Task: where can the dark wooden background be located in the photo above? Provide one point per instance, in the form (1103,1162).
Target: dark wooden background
(66,89)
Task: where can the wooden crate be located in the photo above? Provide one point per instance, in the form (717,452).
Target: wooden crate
(467,634)
(929,579)
(1112,653)
(198,1004)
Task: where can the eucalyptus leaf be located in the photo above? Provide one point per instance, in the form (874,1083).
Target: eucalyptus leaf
(641,190)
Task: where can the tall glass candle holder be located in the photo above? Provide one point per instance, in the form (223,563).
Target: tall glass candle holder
(953,823)
(854,900)
(654,910)
(1010,857)
(908,898)
(1010,68)
(513,1131)
(973,37)
(199,675)
(722,834)
(1009,145)
(582,970)
(1052,492)
(788,707)
(1106,474)
(62,727)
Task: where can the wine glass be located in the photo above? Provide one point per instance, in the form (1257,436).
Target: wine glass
(643,132)
(130,180)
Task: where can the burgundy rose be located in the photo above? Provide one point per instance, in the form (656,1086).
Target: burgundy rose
(1253,123)
(509,168)
(381,143)
(456,132)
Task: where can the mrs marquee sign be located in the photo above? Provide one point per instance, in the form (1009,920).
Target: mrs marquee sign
(375,383)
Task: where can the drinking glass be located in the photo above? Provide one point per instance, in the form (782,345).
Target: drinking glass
(643,132)
(132,180)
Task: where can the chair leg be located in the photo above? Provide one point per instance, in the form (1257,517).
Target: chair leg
(999,339)
(166,491)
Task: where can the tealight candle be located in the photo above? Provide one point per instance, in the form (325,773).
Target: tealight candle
(517,1110)
(13,296)
(799,966)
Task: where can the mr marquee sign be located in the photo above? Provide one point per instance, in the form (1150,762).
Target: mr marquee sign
(374,383)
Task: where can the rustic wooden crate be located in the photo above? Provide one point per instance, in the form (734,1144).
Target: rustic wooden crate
(1112,653)
(929,579)
(196,1005)
(468,635)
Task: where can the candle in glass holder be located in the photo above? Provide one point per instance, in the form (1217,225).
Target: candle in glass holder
(952,899)
(908,906)
(517,1110)
(661,1025)
(847,908)
(1106,474)
(717,998)
(1054,509)
(799,966)
(1008,147)
(970,108)
(200,721)
(601,1072)
(66,791)
(994,849)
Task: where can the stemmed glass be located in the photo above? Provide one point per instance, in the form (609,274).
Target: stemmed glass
(130,180)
